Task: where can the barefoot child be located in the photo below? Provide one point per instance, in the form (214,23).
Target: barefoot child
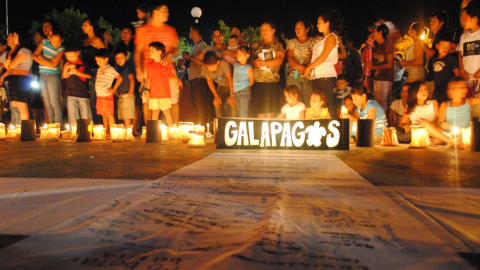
(294,109)
(106,74)
(318,107)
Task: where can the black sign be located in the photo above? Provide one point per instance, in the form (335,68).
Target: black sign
(251,133)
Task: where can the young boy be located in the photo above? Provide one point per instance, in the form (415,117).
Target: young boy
(445,67)
(158,85)
(126,96)
(233,47)
(341,91)
(103,88)
(76,73)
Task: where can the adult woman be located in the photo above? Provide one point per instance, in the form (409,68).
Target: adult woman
(268,57)
(299,55)
(90,46)
(18,66)
(414,62)
(324,57)
(421,111)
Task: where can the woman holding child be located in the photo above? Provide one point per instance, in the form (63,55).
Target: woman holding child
(268,57)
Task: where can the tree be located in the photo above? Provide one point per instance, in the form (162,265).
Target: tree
(70,21)
(183,45)
(250,34)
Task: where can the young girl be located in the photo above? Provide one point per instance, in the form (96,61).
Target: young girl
(318,106)
(396,109)
(421,111)
(367,108)
(294,109)
(243,80)
(456,112)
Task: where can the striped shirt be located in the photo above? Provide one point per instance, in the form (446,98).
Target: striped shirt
(104,80)
(49,52)
(380,117)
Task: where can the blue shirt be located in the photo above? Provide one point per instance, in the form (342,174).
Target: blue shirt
(459,117)
(49,52)
(240,77)
(380,117)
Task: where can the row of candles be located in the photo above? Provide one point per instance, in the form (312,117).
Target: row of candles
(187,132)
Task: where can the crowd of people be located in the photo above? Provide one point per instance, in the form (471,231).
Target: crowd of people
(319,74)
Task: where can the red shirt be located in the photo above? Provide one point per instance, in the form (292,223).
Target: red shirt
(148,33)
(159,76)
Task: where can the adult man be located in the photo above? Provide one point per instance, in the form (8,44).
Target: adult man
(238,31)
(200,101)
(218,47)
(383,66)
(156,30)
(438,25)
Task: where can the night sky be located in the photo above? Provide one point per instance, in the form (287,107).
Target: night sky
(357,15)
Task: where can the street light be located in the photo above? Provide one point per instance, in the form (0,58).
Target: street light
(196,13)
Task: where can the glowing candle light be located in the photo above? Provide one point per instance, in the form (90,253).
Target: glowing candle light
(174,133)
(197,139)
(344,110)
(165,133)
(420,137)
(144,133)
(466,136)
(456,139)
(3,132)
(99,133)
(128,133)
(118,133)
(184,130)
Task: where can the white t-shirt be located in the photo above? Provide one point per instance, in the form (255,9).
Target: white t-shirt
(293,113)
(426,112)
(469,47)
(397,107)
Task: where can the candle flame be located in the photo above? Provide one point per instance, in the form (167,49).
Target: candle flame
(68,127)
(455,130)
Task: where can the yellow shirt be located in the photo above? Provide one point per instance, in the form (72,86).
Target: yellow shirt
(323,114)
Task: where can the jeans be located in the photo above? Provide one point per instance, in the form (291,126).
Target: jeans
(305,85)
(326,85)
(382,90)
(50,87)
(76,105)
(242,101)
(224,110)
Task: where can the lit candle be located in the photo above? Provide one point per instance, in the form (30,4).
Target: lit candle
(197,139)
(420,137)
(99,133)
(117,132)
(174,133)
(165,133)
(128,133)
(456,139)
(3,133)
(74,132)
(184,129)
(144,133)
(344,110)
(208,127)
(198,128)
(466,136)
(13,132)
(66,134)
(50,132)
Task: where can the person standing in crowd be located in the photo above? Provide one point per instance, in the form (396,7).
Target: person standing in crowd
(77,74)
(218,70)
(414,62)
(126,97)
(325,56)
(218,47)
(353,63)
(48,54)
(383,66)
(156,30)
(238,31)
(469,54)
(299,55)
(243,79)
(438,25)
(107,39)
(90,46)
(36,101)
(268,54)
(18,65)
(142,14)
(444,68)
(199,98)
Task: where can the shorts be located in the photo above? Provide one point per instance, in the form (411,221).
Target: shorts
(161,104)
(174,90)
(19,88)
(126,107)
(105,105)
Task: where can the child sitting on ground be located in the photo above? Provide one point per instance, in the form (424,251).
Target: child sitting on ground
(76,73)
(348,100)
(294,109)
(457,112)
(396,109)
(158,84)
(318,106)
(106,74)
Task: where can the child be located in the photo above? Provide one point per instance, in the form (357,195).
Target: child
(243,80)
(103,88)
(396,109)
(218,70)
(233,47)
(456,112)
(445,67)
(318,107)
(294,109)
(126,97)
(76,73)
(158,83)
(341,91)
(367,108)
(348,100)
